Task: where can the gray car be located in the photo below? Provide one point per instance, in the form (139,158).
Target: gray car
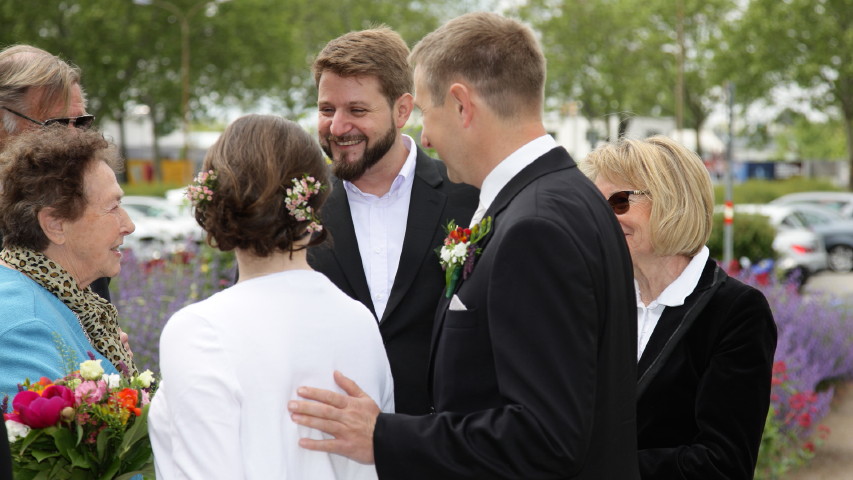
(835,231)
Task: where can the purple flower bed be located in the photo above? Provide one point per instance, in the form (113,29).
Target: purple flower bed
(147,293)
(815,343)
(813,353)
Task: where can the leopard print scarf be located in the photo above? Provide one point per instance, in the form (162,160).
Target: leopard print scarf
(97,316)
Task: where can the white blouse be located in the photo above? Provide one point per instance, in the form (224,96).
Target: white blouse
(231,363)
(672,296)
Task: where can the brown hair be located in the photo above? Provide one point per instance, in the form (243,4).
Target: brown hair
(46,167)
(678,183)
(499,56)
(378,52)
(255,160)
(23,67)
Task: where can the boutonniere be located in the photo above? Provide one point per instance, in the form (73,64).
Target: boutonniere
(459,250)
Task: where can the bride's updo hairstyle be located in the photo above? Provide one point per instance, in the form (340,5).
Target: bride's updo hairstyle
(255,161)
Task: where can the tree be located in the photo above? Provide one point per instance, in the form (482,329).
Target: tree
(242,51)
(805,42)
(598,55)
(696,53)
(636,63)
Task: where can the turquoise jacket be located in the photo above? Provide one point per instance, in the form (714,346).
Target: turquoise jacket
(39,335)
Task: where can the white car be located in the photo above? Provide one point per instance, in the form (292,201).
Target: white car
(800,251)
(179,225)
(841,202)
(149,240)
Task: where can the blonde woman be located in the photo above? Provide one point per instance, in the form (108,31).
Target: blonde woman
(705,341)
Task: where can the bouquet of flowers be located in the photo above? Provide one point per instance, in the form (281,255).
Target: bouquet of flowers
(86,425)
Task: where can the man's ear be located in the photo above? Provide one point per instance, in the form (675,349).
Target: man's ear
(403,109)
(461,97)
(52,226)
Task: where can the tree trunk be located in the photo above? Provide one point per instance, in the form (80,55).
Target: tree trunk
(698,127)
(848,130)
(155,161)
(122,135)
(624,123)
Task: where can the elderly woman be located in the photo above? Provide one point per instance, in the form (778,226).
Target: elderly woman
(705,341)
(231,362)
(60,211)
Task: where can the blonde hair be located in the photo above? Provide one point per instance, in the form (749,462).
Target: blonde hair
(23,67)
(498,56)
(678,183)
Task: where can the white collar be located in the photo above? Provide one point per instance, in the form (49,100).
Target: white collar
(509,167)
(404,176)
(677,291)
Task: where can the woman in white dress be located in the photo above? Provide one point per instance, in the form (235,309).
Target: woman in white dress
(231,363)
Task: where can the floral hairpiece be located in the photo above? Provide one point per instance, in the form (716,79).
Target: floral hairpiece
(200,193)
(296,200)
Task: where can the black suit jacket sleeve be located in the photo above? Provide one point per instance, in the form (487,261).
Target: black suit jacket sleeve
(703,414)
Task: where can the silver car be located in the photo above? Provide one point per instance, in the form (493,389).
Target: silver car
(840,202)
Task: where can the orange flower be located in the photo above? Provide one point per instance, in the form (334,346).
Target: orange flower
(39,386)
(128,399)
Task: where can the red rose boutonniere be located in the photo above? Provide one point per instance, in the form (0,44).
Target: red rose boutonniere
(459,250)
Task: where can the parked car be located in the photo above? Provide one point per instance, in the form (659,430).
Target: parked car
(169,217)
(841,202)
(800,252)
(835,231)
(149,240)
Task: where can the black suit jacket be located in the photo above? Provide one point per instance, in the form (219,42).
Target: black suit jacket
(704,383)
(535,379)
(5,454)
(406,325)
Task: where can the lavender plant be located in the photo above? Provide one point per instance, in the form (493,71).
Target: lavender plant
(813,353)
(148,292)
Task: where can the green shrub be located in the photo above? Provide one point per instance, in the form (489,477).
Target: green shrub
(156,189)
(763,191)
(753,237)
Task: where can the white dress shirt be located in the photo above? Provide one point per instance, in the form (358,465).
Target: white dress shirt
(380,226)
(231,363)
(509,167)
(672,296)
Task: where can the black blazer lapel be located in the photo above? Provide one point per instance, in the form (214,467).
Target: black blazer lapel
(425,208)
(555,159)
(338,219)
(674,324)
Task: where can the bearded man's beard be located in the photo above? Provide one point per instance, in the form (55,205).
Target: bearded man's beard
(353,170)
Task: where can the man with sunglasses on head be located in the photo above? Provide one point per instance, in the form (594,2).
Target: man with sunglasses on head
(39,89)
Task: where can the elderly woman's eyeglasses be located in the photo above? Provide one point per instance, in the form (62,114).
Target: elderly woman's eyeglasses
(83,121)
(619,201)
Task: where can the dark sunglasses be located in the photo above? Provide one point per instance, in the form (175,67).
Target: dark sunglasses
(619,200)
(83,121)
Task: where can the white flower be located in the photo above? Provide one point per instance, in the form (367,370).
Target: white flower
(15,430)
(460,250)
(145,378)
(446,253)
(112,380)
(91,369)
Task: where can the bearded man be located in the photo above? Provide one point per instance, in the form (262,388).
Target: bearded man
(390,201)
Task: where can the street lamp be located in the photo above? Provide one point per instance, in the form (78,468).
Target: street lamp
(184,18)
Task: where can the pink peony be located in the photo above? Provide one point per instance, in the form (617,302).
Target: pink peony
(90,392)
(40,411)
